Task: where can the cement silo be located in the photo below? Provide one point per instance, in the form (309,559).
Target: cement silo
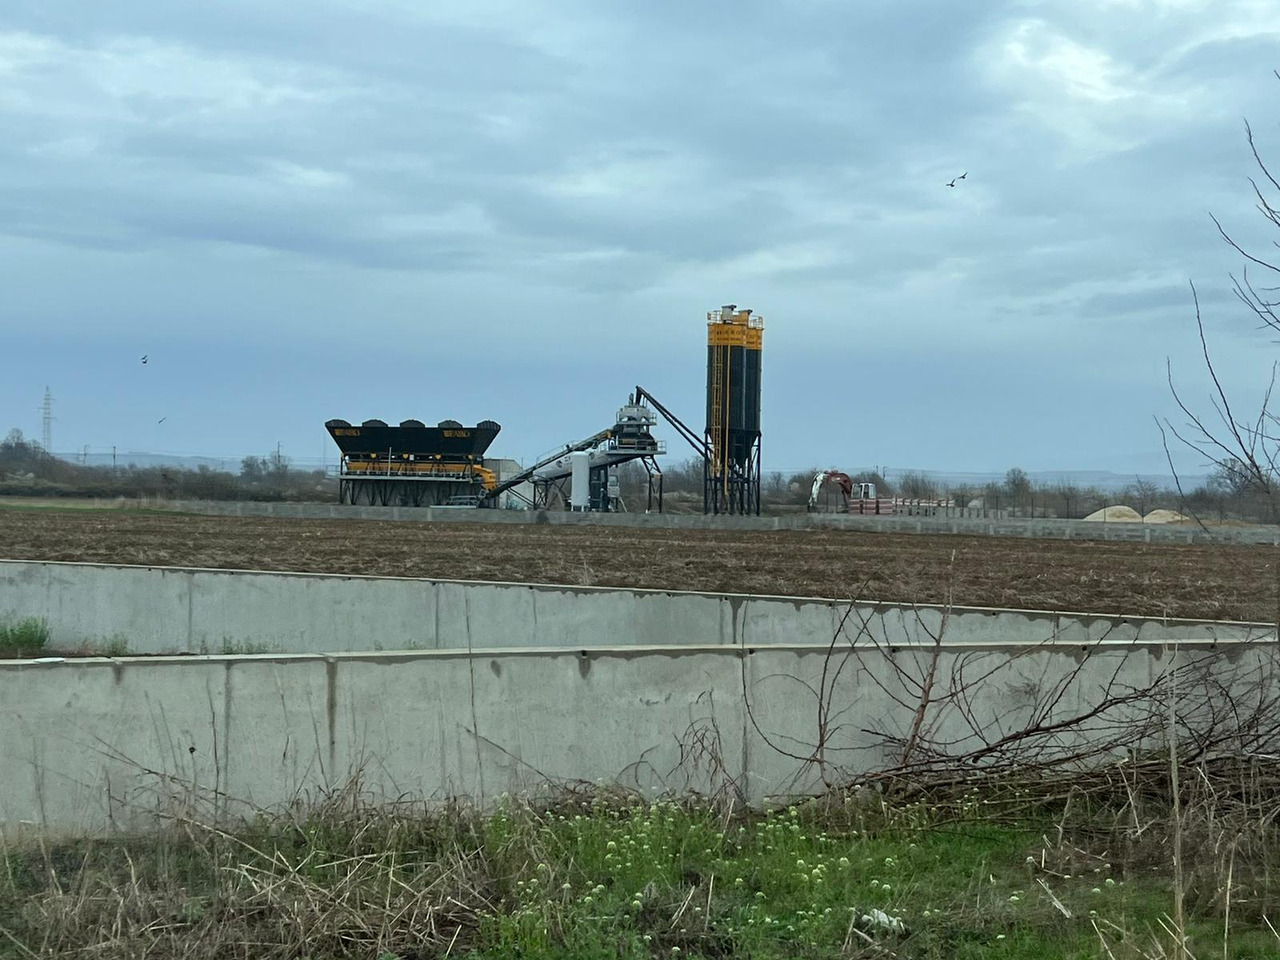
(732,474)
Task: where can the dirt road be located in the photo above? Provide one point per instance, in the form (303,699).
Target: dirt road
(1220,582)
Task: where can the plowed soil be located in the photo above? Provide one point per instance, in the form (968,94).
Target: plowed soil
(1200,581)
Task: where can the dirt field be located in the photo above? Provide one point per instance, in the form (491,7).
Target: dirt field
(1220,582)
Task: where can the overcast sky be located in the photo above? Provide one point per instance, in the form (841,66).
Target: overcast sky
(519,210)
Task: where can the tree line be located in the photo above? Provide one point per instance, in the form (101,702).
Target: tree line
(26,469)
(1229,494)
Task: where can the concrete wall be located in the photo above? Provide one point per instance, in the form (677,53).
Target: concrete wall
(94,745)
(1047,528)
(167,610)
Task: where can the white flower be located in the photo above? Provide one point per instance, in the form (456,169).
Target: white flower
(882,921)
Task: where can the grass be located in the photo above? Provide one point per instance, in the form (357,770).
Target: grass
(30,637)
(241,648)
(78,504)
(116,646)
(602,876)
(24,638)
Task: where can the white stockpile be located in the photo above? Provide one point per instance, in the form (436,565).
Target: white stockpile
(1120,513)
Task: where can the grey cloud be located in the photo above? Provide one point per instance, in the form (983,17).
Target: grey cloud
(535,163)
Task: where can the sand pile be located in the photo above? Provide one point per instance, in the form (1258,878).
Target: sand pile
(1165,516)
(1116,514)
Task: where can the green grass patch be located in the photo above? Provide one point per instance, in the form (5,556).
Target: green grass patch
(599,878)
(116,646)
(24,638)
(80,505)
(241,648)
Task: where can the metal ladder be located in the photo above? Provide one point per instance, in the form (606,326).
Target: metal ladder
(719,434)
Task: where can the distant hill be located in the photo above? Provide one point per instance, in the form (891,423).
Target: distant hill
(181,462)
(1099,479)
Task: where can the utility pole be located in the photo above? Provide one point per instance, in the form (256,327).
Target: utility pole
(113,459)
(46,422)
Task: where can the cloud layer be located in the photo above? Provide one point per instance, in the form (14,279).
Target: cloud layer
(520,209)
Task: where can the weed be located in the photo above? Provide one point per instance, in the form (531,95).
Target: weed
(25,638)
(117,646)
(605,876)
(241,648)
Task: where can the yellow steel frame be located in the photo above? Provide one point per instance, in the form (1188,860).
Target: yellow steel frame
(420,468)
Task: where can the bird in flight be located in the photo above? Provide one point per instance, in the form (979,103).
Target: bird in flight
(144,358)
(954,179)
(162,420)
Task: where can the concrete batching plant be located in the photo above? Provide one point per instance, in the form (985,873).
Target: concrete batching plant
(413,464)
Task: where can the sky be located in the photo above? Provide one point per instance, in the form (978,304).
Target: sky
(519,210)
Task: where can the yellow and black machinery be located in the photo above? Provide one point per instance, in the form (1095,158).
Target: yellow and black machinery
(413,464)
(416,465)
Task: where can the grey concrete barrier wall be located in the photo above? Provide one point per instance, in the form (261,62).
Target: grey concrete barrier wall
(1043,528)
(95,745)
(167,610)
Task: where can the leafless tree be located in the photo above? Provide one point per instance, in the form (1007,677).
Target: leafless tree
(1069,497)
(1143,494)
(917,486)
(1241,444)
(1018,486)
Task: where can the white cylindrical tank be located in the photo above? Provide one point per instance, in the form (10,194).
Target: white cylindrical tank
(580,484)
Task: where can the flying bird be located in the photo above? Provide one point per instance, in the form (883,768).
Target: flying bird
(144,358)
(954,179)
(162,420)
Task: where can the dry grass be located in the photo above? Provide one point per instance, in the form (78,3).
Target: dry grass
(343,880)
(993,870)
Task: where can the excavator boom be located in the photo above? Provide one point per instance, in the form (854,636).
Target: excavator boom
(823,476)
